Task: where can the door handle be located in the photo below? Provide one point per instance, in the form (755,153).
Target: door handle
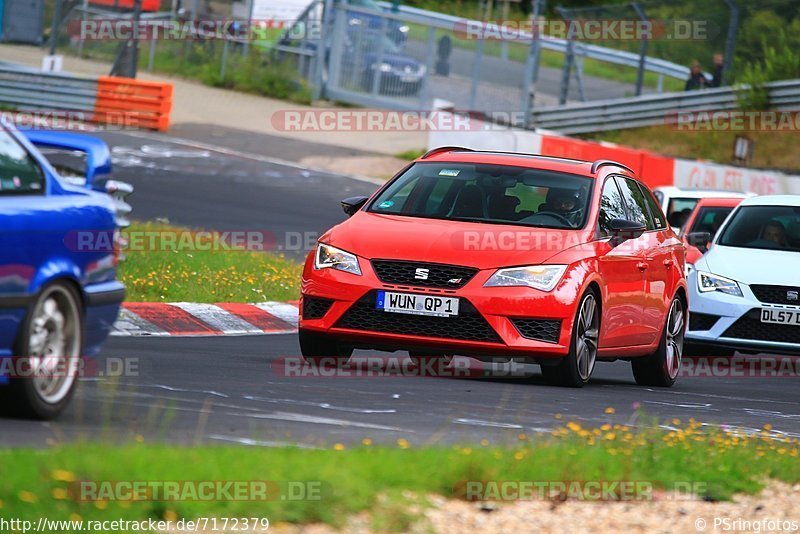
(642,266)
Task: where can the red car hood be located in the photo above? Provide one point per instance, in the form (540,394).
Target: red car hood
(484,246)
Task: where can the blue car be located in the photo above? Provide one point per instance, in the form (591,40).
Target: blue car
(59,249)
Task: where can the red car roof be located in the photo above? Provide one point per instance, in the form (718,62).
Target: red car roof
(534,161)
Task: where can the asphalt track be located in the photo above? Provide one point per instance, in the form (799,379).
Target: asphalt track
(236,390)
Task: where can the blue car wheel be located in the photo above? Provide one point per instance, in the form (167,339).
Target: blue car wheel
(48,350)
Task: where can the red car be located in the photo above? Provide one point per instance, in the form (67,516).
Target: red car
(502,256)
(702,225)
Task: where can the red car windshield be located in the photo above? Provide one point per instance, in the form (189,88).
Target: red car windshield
(495,194)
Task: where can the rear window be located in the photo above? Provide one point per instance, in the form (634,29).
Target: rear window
(489,194)
(19,173)
(709,219)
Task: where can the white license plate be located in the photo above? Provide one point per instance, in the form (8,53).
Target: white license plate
(417,304)
(787,317)
(409,79)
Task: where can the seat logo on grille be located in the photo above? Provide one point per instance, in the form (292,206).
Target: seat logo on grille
(422,274)
(454,281)
(792,295)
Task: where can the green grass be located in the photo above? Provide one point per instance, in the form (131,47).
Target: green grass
(410,155)
(36,483)
(180,273)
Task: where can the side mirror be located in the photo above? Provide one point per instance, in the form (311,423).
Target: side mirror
(699,240)
(623,230)
(353,204)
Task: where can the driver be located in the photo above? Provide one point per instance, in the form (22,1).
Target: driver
(564,202)
(775,232)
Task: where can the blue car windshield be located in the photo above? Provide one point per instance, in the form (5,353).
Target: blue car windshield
(484,193)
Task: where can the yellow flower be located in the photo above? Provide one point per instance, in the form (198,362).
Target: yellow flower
(74,517)
(101,505)
(339,447)
(519,456)
(676,422)
(170,515)
(402,443)
(139,438)
(27,496)
(366,442)
(63,476)
(610,410)
(59,494)
(522,437)
(558,416)
(485,442)
(467,451)
(768,427)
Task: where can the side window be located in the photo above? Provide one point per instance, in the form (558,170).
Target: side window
(611,207)
(634,201)
(19,173)
(655,210)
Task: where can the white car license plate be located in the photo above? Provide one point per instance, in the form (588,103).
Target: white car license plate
(787,317)
(417,304)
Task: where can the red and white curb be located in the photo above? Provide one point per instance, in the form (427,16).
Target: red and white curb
(193,319)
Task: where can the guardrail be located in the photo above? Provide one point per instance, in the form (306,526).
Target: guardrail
(600,53)
(105,99)
(649,110)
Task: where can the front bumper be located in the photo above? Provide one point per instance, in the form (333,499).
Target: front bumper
(737,325)
(485,325)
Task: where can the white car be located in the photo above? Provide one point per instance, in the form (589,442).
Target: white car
(677,204)
(744,294)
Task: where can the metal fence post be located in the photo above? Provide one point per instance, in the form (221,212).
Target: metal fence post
(317,80)
(224,59)
(425,93)
(642,49)
(337,46)
(730,40)
(476,74)
(377,73)
(532,64)
(569,57)
(151,53)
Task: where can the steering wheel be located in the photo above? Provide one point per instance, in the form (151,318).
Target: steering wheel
(555,216)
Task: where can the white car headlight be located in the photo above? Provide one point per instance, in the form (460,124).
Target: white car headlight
(707,282)
(543,277)
(331,257)
(385,67)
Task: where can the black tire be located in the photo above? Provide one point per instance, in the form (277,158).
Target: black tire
(661,368)
(575,369)
(430,363)
(38,396)
(323,350)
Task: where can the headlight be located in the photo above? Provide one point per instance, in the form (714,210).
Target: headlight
(707,282)
(385,67)
(332,257)
(544,277)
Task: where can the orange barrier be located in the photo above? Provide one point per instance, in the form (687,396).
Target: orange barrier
(133,103)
